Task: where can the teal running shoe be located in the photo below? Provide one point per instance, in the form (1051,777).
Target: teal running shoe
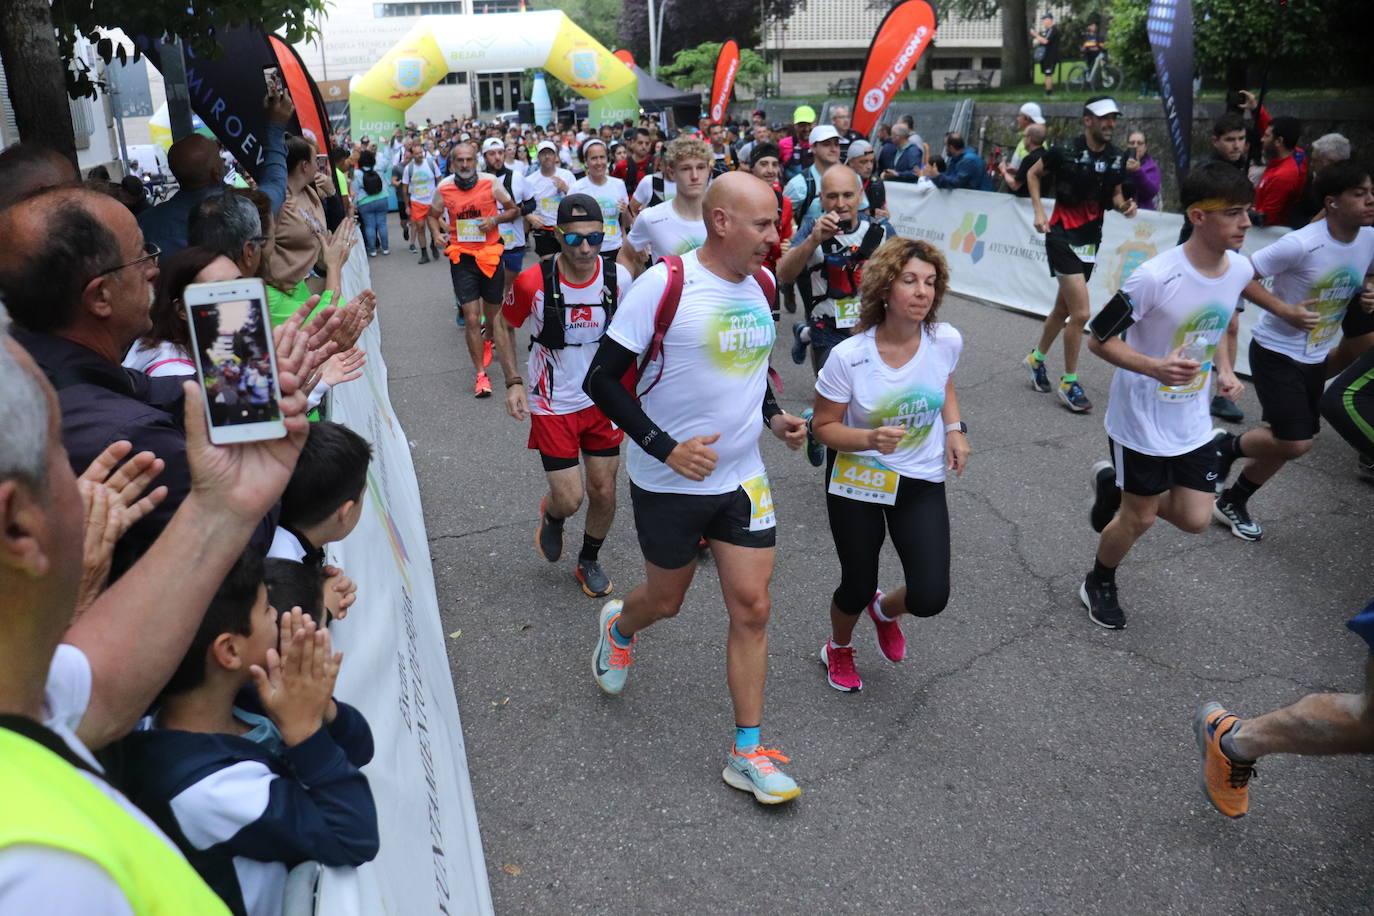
(815,452)
(610,662)
(755,772)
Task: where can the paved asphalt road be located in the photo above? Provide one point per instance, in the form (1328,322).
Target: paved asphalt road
(1020,760)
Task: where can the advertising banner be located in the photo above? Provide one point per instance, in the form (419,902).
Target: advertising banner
(227,90)
(727,65)
(1169,24)
(995,254)
(396,671)
(904,34)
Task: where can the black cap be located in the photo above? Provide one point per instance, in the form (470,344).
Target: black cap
(579,208)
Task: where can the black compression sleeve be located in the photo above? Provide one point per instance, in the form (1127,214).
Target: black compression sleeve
(528,207)
(603,386)
(770,404)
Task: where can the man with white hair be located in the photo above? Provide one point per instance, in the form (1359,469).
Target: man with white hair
(1328,149)
(902,157)
(843,124)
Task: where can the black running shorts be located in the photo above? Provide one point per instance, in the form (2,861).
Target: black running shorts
(1288,392)
(470,284)
(1150,475)
(1060,244)
(671,525)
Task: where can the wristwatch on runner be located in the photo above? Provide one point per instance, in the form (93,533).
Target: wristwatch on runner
(960,427)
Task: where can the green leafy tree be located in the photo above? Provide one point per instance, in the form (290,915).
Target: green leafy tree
(38,46)
(695,67)
(1317,42)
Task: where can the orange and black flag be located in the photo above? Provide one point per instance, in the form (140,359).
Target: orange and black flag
(902,37)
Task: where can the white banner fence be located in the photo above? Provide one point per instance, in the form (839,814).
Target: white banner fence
(396,672)
(995,254)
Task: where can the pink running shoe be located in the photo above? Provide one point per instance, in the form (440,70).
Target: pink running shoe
(891,642)
(839,667)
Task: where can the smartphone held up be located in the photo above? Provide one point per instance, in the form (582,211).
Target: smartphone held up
(236,365)
(271,75)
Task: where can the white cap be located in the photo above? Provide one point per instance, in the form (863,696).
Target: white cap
(1101,107)
(822,132)
(546,145)
(492,143)
(1032,111)
(859,148)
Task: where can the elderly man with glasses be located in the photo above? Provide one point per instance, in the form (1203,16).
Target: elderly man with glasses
(77,277)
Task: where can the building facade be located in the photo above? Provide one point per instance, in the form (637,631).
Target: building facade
(825,41)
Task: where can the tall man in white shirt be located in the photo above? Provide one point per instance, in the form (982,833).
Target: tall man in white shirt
(694,461)
(674,226)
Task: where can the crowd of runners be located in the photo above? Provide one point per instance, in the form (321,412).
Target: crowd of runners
(659,269)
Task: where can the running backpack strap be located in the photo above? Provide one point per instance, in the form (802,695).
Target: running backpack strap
(808,199)
(770,290)
(874,237)
(610,294)
(550,335)
(663,317)
(658,188)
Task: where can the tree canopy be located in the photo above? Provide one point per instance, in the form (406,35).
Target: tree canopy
(693,67)
(688,23)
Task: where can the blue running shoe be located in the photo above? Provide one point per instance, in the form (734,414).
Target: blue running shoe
(1040,379)
(755,772)
(815,452)
(1071,393)
(610,662)
(798,345)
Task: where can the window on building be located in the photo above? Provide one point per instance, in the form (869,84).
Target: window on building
(992,63)
(429,8)
(952,63)
(822,65)
(496,6)
(454,79)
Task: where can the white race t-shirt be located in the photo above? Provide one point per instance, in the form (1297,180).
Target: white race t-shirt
(513,233)
(1173,306)
(555,377)
(875,394)
(1309,264)
(546,195)
(712,375)
(663,232)
(608,195)
(420,179)
(644,191)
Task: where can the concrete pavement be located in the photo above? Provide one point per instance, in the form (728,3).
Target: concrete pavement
(1020,760)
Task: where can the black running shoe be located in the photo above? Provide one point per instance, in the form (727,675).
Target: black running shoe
(548,539)
(798,345)
(1100,600)
(424,256)
(1106,495)
(594,581)
(1236,516)
(1223,408)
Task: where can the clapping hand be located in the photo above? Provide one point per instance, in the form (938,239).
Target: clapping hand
(297,686)
(339,592)
(112,495)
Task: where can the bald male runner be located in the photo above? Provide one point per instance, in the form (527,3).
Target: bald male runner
(693,461)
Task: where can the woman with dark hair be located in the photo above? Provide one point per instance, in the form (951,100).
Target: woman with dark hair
(887,413)
(301,233)
(166,349)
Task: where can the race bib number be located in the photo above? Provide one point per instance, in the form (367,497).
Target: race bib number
(611,225)
(867,480)
(1085,253)
(469,230)
(1319,338)
(847,312)
(550,204)
(761,516)
(1198,345)
(507,233)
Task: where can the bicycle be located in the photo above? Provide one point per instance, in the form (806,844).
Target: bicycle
(1102,75)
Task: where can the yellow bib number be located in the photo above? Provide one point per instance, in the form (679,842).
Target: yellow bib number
(761,515)
(867,480)
(846,312)
(507,231)
(469,230)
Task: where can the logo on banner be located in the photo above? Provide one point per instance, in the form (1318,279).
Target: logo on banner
(1131,253)
(876,98)
(968,237)
(410,72)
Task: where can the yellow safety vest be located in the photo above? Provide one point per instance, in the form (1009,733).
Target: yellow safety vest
(46,801)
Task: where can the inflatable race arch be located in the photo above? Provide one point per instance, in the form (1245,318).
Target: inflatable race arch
(439,45)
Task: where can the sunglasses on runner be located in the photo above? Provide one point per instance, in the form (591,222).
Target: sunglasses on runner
(577,238)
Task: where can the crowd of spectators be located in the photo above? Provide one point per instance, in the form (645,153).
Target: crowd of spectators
(172,749)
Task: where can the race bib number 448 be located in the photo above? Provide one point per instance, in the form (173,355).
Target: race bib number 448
(865,479)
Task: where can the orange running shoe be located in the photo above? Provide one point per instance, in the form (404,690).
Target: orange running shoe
(483,387)
(1225,781)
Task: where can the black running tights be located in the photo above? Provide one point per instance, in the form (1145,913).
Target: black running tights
(1348,404)
(919,527)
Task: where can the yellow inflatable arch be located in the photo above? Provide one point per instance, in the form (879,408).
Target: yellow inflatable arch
(439,45)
